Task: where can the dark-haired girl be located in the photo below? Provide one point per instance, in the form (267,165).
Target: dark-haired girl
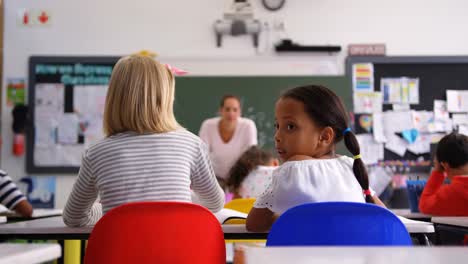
(251,173)
(310,121)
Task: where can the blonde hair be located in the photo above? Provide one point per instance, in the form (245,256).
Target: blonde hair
(140,97)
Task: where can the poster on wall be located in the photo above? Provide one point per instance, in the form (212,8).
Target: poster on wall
(69,95)
(363,77)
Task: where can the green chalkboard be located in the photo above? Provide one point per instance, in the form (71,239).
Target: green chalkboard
(197,98)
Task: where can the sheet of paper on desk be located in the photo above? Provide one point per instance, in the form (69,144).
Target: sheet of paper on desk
(457,101)
(367,102)
(371,150)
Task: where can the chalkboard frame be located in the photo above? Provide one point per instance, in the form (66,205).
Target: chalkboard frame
(30,134)
(407,60)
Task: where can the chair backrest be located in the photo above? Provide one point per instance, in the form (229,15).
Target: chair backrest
(338,224)
(157,232)
(243,205)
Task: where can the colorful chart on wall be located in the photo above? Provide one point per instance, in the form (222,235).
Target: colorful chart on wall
(67,96)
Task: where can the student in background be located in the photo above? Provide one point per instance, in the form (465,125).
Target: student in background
(12,198)
(146,155)
(251,173)
(451,161)
(310,121)
(227,136)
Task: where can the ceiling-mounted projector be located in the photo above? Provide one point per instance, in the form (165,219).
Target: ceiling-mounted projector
(238,20)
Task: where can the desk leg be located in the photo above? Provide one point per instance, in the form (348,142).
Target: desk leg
(83,250)
(62,246)
(422,239)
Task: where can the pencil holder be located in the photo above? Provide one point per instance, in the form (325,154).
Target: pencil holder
(415,188)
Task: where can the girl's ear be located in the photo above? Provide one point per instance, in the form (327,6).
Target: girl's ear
(327,136)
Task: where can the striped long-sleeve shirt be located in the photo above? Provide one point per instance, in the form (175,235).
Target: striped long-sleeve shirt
(10,196)
(128,167)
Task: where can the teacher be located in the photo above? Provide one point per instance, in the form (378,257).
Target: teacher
(227,136)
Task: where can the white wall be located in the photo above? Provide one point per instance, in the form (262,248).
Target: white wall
(181,30)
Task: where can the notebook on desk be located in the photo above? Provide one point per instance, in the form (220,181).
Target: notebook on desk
(225,215)
(37,213)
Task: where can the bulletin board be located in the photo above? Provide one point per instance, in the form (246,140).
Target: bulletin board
(66,98)
(436,74)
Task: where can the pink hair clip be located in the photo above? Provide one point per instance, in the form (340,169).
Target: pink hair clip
(176,71)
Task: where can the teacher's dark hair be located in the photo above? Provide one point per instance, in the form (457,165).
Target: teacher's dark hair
(228,96)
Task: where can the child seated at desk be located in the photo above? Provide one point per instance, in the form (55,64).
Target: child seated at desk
(251,173)
(146,155)
(12,198)
(452,162)
(310,121)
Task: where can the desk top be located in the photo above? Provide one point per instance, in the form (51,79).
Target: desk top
(29,253)
(356,255)
(54,228)
(408,214)
(452,220)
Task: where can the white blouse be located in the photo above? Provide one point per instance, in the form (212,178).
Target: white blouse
(256,182)
(311,181)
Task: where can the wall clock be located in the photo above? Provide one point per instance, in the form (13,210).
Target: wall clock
(273,5)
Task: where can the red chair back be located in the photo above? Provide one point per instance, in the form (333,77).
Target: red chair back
(157,232)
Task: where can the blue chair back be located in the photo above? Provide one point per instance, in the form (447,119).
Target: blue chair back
(338,224)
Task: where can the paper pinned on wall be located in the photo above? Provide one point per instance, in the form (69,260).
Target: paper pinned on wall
(67,129)
(367,102)
(440,110)
(45,133)
(401,107)
(422,145)
(379,179)
(422,119)
(363,77)
(401,90)
(391,90)
(463,130)
(457,101)
(378,128)
(460,119)
(371,150)
(396,145)
(396,122)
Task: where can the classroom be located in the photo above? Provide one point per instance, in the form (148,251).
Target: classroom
(233,131)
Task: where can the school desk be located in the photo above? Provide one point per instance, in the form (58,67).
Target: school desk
(28,253)
(355,255)
(450,230)
(410,215)
(54,228)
